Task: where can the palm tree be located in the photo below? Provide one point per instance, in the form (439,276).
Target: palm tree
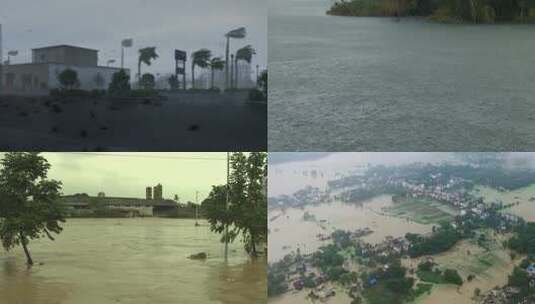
(239,33)
(200,58)
(216,64)
(146,55)
(245,53)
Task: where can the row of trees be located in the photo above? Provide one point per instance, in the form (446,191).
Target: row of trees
(240,207)
(477,11)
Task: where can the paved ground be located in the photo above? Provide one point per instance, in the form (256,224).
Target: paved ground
(184,122)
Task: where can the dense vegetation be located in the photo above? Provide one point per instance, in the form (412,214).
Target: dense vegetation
(476,11)
(524,239)
(441,240)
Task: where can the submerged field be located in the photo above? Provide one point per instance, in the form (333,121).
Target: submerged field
(423,211)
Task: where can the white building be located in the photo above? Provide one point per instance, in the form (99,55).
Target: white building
(41,75)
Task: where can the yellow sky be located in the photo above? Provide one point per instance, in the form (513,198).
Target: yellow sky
(127,174)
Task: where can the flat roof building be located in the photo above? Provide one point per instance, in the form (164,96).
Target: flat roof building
(41,75)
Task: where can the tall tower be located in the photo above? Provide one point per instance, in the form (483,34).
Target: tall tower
(158,192)
(148,191)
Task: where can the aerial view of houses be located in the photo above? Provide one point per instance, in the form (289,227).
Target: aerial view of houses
(430,230)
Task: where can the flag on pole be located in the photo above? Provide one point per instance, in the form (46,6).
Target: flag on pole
(127,42)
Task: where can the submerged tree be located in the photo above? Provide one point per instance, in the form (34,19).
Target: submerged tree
(29,207)
(246,213)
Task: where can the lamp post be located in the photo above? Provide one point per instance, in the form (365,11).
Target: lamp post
(126,43)
(239,33)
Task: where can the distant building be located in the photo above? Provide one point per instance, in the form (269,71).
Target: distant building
(158,192)
(148,191)
(41,75)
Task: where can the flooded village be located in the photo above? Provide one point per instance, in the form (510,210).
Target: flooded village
(449,231)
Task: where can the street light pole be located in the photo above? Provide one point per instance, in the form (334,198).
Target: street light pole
(226,204)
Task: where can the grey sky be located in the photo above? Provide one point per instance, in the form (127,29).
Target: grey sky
(127,174)
(102,24)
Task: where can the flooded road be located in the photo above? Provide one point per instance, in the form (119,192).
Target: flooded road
(135,261)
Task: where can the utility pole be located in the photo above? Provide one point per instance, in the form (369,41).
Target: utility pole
(226,204)
(1,63)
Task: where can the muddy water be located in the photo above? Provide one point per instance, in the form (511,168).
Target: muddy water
(134,261)
(289,231)
(457,258)
(524,196)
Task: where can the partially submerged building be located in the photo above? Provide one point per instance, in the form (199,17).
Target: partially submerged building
(41,75)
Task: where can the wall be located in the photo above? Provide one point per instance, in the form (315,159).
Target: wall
(66,55)
(21,79)
(86,75)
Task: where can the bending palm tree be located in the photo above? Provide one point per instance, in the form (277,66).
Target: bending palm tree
(245,53)
(146,55)
(200,58)
(239,33)
(216,64)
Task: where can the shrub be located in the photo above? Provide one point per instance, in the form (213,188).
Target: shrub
(69,79)
(148,82)
(453,277)
(173,82)
(120,84)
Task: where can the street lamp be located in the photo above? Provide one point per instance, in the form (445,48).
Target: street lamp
(126,43)
(239,33)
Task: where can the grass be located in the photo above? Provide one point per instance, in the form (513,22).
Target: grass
(423,211)
(430,276)
(421,289)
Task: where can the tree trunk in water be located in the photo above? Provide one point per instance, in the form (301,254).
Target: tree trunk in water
(26,251)
(253,244)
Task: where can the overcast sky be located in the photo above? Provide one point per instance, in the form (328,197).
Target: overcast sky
(102,24)
(127,174)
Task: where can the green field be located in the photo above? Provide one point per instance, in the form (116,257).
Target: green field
(420,210)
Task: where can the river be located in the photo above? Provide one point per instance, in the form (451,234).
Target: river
(135,261)
(372,84)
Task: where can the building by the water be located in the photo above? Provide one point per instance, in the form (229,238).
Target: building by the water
(41,75)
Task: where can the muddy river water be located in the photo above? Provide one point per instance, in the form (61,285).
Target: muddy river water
(134,261)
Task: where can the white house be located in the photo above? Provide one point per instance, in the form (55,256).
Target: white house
(41,75)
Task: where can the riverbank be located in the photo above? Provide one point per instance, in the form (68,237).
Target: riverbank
(439,11)
(185,121)
(135,261)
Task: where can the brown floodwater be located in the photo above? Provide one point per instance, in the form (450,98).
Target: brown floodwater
(289,231)
(135,261)
(525,197)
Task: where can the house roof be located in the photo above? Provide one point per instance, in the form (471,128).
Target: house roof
(64,46)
